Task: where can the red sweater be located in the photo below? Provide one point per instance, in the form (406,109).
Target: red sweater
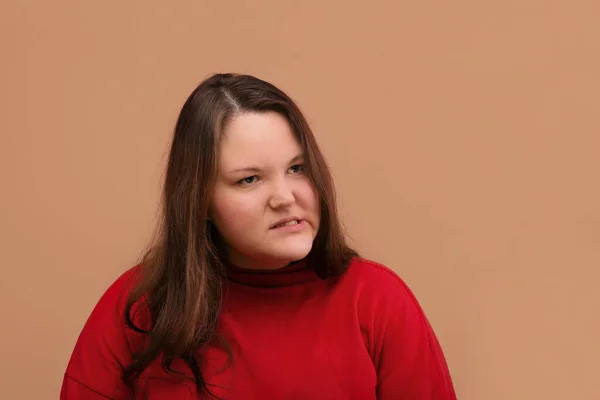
(294,336)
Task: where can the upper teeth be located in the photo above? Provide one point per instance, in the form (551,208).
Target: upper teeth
(293,222)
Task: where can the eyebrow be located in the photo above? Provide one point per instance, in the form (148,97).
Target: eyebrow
(256,169)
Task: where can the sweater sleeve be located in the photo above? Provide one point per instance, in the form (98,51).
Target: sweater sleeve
(406,353)
(101,352)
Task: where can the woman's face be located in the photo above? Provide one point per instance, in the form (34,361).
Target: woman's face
(263,205)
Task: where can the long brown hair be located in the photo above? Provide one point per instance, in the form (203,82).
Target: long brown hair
(182,272)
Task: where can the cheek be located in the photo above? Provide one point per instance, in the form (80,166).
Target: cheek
(310,198)
(231,212)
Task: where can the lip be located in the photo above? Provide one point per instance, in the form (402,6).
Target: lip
(299,227)
(287,219)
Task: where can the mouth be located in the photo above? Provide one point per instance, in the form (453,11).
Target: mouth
(286,223)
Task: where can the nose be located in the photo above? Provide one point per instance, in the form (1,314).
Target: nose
(282,195)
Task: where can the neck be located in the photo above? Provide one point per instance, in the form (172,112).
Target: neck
(260,276)
(256,264)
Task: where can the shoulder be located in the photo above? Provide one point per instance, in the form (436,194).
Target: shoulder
(106,324)
(105,344)
(124,282)
(371,276)
(365,269)
(380,291)
(402,344)
(114,300)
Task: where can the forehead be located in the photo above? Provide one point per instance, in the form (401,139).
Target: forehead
(256,138)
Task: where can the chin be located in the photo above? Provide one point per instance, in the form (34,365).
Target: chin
(292,252)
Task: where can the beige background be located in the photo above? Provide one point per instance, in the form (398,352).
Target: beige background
(464,137)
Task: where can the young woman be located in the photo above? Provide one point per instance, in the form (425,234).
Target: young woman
(249,290)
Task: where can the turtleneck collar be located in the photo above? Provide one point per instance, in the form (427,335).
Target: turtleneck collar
(295,273)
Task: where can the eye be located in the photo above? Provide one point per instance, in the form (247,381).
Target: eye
(296,169)
(248,180)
